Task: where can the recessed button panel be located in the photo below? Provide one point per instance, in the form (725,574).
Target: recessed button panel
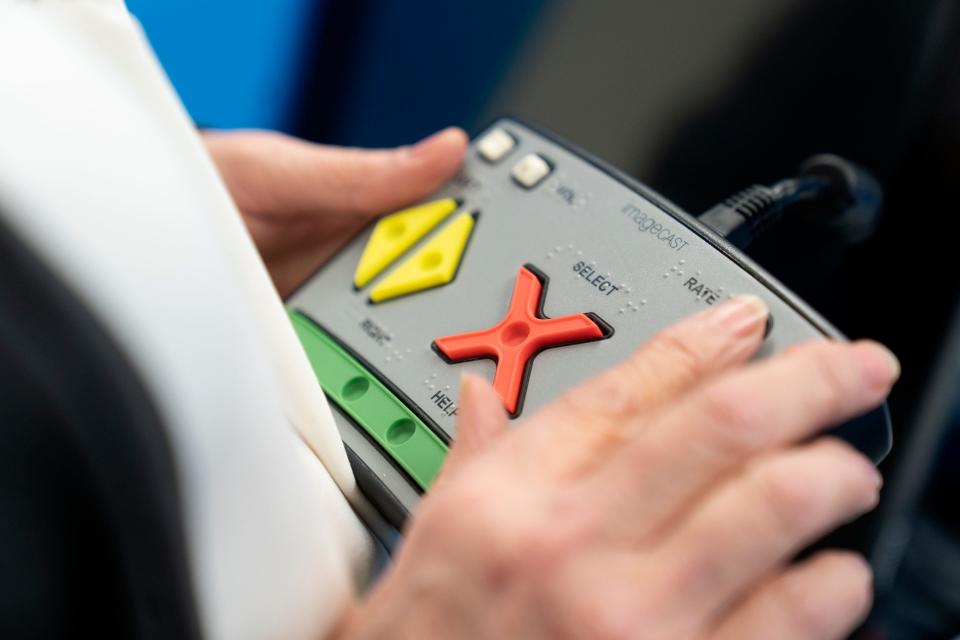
(530,171)
(520,336)
(495,145)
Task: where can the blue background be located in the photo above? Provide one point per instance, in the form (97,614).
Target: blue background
(365,72)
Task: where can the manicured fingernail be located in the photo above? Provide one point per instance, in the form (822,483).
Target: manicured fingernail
(879,366)
(741,315)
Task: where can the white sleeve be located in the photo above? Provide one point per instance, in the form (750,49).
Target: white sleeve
(108,182)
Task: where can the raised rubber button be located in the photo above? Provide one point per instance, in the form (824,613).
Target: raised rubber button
(495,145)
(433,265)
(530,171)
(396,233)
(514,341)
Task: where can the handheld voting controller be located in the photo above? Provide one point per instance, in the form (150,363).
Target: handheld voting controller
(536,267)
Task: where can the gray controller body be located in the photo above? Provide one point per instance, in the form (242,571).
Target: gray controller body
(608,245)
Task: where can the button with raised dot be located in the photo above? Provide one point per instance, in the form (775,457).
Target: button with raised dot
(530,171)
(519,336)
(433,265)
(396,233)
(495,145)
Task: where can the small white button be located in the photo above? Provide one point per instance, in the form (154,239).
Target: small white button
(531,170)
(495,145)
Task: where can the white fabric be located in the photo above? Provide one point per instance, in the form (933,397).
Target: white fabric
(102,174)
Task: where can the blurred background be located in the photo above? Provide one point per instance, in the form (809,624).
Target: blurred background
(697,99)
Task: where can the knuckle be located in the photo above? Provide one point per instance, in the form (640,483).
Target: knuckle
(738,426)
(693,576)
(610,394)
(859,472)
(855,481)
(828,367)
(680,350)
(555,536)
(789,497)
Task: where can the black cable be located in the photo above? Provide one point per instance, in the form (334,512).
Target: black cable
(838,192)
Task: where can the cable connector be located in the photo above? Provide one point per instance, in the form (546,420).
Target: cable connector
(841,193)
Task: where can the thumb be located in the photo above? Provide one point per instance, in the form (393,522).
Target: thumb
(273,174)
(371,182)
(481,421)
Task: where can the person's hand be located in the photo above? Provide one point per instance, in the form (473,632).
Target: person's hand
(302,201)
(663,499)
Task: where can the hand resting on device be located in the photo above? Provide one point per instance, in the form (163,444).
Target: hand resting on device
(664,498)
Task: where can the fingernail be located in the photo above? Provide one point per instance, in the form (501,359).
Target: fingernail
(468,384)
(741,315)
(879,366)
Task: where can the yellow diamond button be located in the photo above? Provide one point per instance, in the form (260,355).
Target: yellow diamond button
(396,233)
(434,264)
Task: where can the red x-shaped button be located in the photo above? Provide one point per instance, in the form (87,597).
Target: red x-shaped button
(522,334)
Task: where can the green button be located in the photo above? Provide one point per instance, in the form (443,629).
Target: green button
(364,398)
